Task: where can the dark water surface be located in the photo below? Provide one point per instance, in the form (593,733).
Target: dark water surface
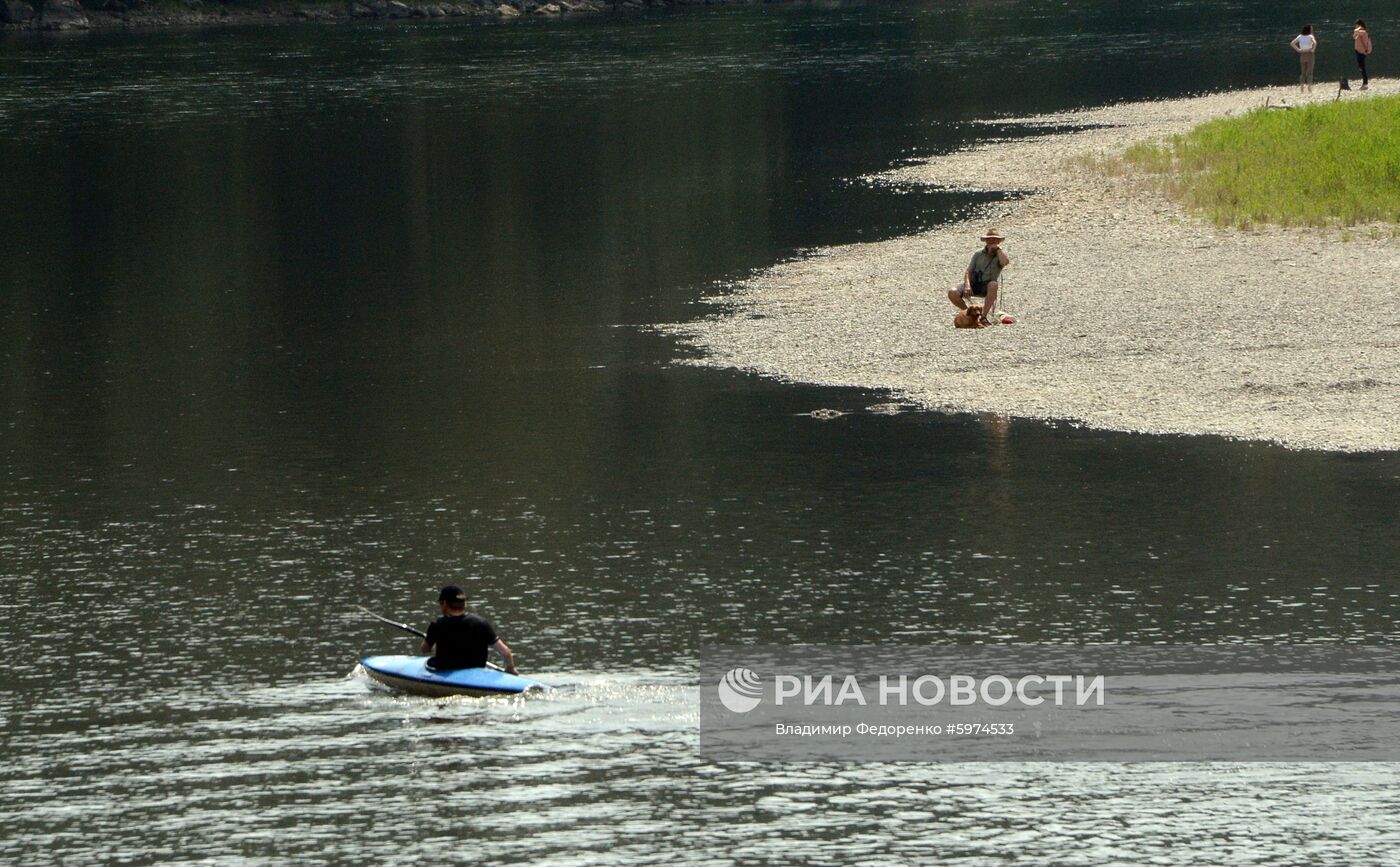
(301,317)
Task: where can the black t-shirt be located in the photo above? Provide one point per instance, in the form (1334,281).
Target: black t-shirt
(460,641)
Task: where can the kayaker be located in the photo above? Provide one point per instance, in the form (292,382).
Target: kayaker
(461,640)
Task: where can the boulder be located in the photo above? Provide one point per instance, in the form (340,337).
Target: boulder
(15,12)
(549,9)
(396,9)
(62,15)
(507,11)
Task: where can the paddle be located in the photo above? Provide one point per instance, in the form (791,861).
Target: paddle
(406,628)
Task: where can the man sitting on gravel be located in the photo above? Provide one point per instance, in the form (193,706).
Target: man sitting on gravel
(980,279)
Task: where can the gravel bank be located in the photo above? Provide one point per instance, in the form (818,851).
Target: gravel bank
(1131,314)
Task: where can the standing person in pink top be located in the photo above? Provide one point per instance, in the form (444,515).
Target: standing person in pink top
(1361,39)
(1306,46)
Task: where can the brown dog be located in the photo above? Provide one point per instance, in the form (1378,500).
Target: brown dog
(969,318)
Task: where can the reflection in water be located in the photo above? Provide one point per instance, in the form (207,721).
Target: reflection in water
(302,317)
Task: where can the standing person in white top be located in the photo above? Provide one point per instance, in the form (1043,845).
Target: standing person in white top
(1306,46)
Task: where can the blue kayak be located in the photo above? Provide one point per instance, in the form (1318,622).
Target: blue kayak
(411,674)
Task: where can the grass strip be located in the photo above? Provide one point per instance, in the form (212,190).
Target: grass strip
(1329,164)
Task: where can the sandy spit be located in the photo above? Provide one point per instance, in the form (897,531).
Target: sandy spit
(1130,313)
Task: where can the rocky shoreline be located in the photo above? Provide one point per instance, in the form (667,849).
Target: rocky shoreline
(1131,313)
(55,15)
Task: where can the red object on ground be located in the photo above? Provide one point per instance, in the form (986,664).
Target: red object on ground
(1007,320)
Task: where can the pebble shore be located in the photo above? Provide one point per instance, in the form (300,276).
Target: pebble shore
(1131,314)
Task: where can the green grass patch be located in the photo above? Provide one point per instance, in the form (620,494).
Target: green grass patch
(1333,164)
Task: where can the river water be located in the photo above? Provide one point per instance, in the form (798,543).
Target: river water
(300,318)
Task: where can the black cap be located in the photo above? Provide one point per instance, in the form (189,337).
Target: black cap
(454,594)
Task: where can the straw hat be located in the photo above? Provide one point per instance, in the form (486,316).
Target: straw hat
(991,234)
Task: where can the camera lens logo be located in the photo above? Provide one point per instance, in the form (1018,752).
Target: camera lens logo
(740,690)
